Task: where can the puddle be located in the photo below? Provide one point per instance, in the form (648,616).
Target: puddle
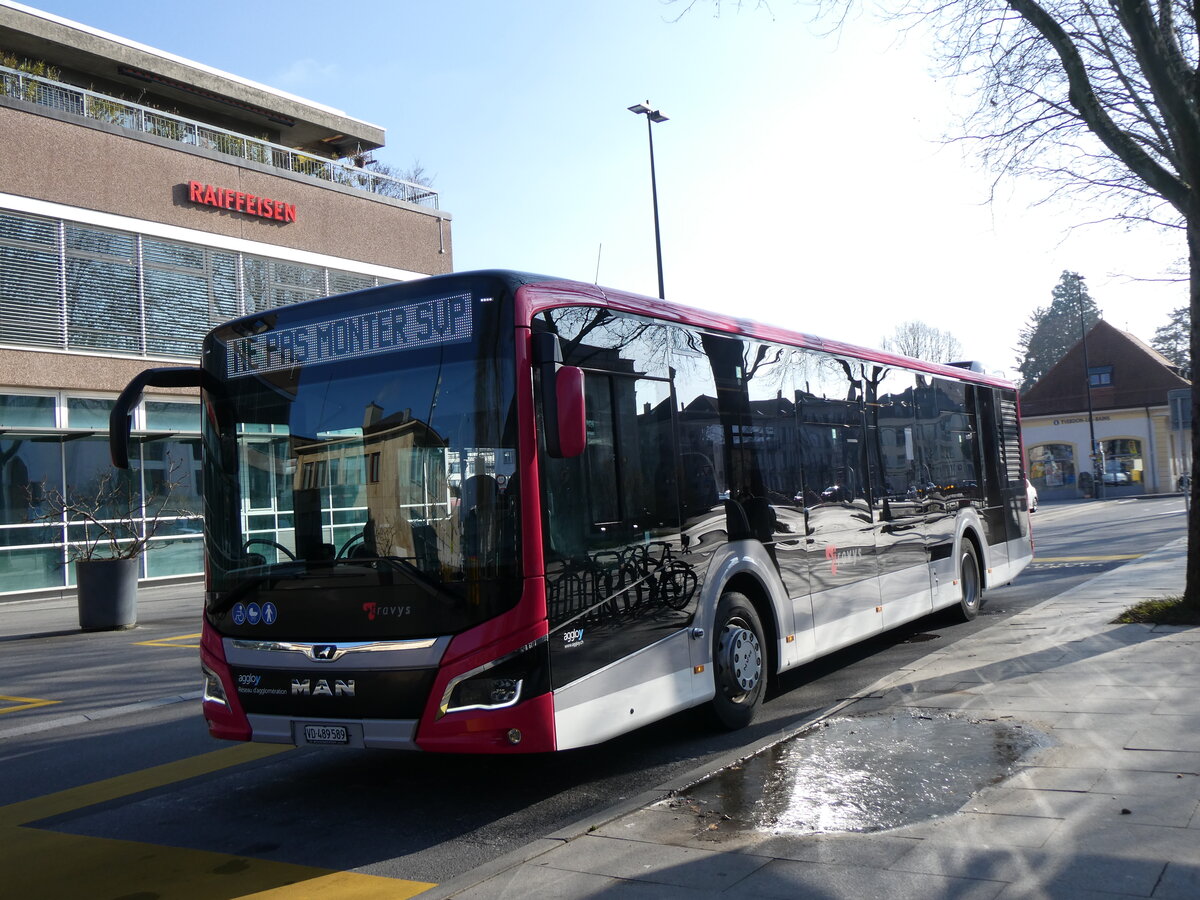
(861,774)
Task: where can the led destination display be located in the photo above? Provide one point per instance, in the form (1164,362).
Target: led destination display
(442,320)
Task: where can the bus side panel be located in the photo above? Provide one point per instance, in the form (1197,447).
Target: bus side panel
(634,691)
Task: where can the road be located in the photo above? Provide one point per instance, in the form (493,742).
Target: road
(121,805)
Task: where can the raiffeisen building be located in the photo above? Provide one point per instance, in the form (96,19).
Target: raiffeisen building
(145,198)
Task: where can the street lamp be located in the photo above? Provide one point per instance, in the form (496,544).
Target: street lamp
(653,116)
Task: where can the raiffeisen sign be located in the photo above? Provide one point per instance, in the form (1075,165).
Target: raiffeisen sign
(240,201)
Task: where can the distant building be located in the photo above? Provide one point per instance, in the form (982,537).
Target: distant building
(143,199)
(1129,383)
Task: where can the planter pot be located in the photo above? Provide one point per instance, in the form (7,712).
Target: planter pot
(107,593)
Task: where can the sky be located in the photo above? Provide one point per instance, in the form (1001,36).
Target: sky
(804,178)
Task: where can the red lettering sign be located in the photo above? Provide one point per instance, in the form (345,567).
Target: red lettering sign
(240,201)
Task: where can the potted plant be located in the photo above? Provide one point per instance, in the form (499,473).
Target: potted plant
(110,525)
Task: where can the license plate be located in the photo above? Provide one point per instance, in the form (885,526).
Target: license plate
(326,734)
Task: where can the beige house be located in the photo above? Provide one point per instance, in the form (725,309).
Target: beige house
(1136,450)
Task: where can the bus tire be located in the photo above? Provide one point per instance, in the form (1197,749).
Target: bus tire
(739,670)
(970,582)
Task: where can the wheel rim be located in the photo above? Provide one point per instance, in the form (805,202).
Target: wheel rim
(970,582)
(739,658)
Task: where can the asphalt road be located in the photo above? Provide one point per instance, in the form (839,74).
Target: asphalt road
(251,816)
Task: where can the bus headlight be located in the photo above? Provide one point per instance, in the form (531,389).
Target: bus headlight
(501,683)
(484,693)
(214,691)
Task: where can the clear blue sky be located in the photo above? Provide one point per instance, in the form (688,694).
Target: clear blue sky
(801,176)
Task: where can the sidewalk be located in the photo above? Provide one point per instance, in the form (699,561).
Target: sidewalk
(163,605)
(1112,809)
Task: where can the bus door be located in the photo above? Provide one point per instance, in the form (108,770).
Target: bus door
(897,500)
(840,522)
(618,576)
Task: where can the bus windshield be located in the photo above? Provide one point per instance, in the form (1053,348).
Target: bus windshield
(357,485)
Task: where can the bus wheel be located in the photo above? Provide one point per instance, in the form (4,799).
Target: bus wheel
(970,581)
(738,671)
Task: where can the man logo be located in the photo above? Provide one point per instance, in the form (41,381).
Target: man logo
(324,652)
(305,688)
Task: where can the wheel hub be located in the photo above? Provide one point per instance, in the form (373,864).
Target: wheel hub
(740,657)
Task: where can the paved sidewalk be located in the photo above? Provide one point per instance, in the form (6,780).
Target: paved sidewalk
(158,605)
(1112,809)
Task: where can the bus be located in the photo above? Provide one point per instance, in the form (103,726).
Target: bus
(498,512)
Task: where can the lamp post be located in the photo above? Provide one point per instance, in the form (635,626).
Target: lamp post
(653,116)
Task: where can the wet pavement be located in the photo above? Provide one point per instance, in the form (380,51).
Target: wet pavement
(1054,755)
(859,774)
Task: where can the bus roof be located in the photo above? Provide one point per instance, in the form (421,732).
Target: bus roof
(538,293)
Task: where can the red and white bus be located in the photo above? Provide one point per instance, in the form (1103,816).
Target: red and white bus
(496,512)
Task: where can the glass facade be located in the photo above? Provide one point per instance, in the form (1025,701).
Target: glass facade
(70,286)
(57,445)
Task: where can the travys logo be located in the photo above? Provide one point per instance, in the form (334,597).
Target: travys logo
(573,638)
(836,555)
(375,611)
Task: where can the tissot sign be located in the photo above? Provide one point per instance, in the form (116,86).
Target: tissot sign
(240,201)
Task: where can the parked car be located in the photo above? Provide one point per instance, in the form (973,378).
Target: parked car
(1116,478)
(1031,498)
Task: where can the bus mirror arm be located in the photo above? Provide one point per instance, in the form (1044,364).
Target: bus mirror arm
(120,420)
(564,411)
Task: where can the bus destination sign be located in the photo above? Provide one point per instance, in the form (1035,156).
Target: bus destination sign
(441,320)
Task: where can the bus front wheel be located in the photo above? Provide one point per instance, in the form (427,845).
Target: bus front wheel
(739,673)
(970,581)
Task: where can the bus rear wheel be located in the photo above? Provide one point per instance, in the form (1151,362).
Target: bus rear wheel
(739,673)
(970,581)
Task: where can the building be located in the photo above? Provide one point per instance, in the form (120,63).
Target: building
(1129,383)
(144,198)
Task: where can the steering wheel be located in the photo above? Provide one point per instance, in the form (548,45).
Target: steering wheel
(361,536)
(288,553)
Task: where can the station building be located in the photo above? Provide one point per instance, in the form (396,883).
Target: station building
(143,199)
(1130,383)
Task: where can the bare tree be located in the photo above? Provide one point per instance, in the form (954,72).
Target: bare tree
(923,341)
(1099,97)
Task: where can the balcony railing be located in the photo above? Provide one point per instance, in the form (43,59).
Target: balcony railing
(103,108)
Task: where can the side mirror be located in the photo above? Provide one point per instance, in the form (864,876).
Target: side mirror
(572,411)
(120,420)
(564,409)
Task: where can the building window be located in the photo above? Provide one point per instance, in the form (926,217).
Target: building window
(66,285)
(1123,463)
(1052,466)
(85,412)
(103,311)
(42,441)
(20,411)
(1100,376)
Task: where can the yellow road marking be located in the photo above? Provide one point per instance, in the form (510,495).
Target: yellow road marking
(1118,558)
(48,864)
(24,703)
(171,641)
